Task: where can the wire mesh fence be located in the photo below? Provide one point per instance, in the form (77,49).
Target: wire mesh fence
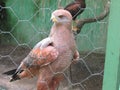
(23,23)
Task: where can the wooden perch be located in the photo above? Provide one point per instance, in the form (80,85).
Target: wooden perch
(80,23)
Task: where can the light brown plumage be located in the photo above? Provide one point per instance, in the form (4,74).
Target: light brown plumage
(76,7)
(63,41)
(56,54)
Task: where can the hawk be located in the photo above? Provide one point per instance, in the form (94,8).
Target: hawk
(50,57)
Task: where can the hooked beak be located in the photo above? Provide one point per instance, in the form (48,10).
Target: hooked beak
(53,19)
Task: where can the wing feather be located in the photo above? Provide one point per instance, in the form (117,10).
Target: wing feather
(76,8)
(44,56)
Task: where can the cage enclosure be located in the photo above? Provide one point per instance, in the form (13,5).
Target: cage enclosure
(23,23)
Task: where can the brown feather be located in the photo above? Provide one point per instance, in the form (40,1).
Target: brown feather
(50,62)
(76,8)
(63,41)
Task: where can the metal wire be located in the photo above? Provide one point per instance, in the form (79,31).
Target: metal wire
(83,64)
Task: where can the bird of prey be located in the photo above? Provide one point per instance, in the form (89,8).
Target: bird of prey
(76,8)
(50,57)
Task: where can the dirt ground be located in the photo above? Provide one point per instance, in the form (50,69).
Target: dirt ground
(87,74)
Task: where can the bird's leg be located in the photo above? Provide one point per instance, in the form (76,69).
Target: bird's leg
(55,81)
(44,79)
(42,85)
(47,84)
(47,80)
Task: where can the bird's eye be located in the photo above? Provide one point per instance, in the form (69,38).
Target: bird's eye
(61,16)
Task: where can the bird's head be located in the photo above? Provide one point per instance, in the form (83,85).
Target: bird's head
(61,16)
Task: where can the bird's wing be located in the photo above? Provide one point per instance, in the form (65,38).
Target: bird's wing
(33,62)
(44,43)
(37,57)
(72,6)
(44,56)
(75,8)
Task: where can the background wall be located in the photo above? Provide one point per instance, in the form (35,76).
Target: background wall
(28,21)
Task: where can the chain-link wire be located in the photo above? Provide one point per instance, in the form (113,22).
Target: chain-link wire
(20,32)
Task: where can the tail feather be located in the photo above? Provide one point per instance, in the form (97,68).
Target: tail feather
(14,78)
(14,74)
(10,72)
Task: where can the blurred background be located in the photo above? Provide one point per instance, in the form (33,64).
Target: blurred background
(23,23)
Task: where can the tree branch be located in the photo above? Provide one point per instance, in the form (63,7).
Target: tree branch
(80,23)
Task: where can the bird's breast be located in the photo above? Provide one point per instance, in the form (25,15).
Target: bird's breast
(63,40)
